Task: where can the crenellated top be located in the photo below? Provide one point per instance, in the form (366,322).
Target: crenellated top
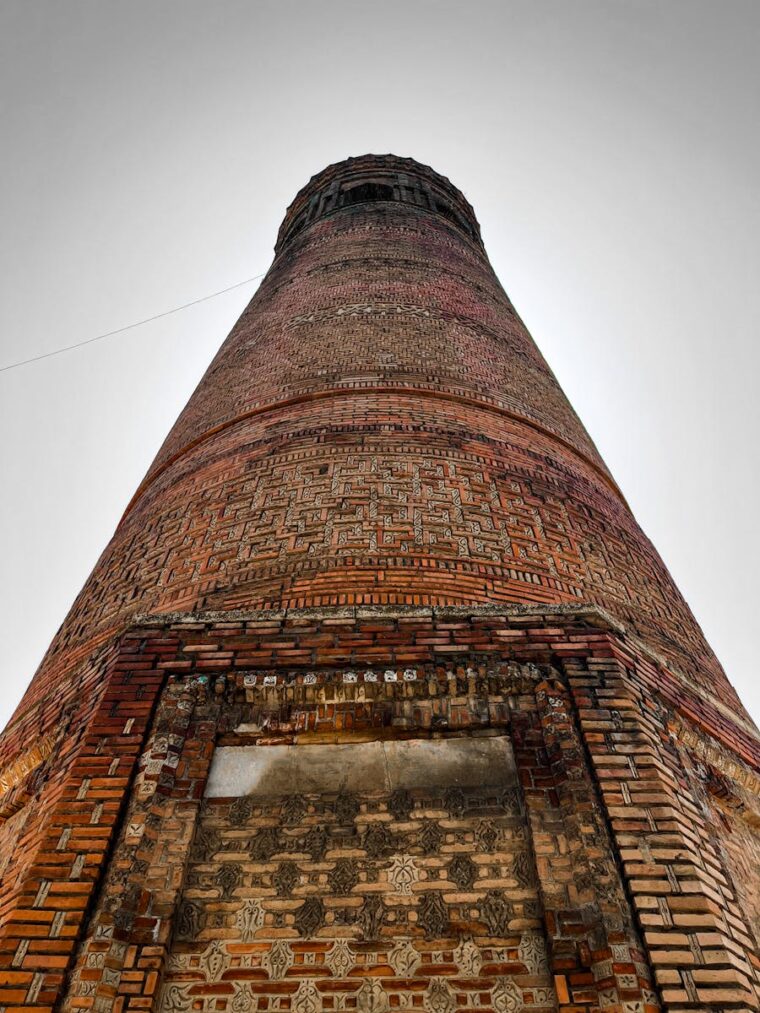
(370,179)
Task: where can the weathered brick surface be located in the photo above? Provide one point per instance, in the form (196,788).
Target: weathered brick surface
(379,428)
(379,699)
(63,834)
(268,679)
(133,918)
(604,856)
(593,940)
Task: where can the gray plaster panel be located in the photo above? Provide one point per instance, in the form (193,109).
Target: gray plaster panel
(363,766)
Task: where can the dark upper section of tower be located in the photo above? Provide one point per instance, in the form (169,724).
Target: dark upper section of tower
(377,178)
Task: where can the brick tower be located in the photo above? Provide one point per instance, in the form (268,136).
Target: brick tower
(379,699)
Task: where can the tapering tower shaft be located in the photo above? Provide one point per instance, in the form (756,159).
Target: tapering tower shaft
(380,428)
(379,698)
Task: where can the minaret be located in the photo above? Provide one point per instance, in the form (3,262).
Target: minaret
(379,698)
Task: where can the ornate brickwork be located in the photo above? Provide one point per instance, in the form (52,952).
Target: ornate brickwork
(379,428)
(365,903)
(508,891)
(379,699)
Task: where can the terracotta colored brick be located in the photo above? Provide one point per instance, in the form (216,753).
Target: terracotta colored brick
(378,529)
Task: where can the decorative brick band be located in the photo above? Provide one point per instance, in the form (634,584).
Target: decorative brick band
(369,389)
(719,756)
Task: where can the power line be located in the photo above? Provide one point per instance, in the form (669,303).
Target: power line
(129,327)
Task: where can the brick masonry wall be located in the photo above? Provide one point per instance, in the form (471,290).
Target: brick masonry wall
(379,530)
(378,428)
(596,882)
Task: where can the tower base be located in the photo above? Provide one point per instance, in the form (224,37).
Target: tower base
(374,809)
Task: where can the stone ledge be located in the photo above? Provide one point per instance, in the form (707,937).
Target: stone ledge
(586,616)
(597,616)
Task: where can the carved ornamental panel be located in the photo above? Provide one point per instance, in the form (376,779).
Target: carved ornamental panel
(363,876)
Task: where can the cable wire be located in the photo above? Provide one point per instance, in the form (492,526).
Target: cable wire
(129,327)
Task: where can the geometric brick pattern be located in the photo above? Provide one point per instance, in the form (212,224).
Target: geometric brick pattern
(598,871)
(340,897)
(379,699)
(379,428)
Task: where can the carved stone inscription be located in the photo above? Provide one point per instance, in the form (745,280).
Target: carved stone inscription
(369,876)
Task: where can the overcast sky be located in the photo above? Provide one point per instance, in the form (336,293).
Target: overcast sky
(610,150)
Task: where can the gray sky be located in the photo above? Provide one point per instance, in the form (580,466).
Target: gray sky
(610,150)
